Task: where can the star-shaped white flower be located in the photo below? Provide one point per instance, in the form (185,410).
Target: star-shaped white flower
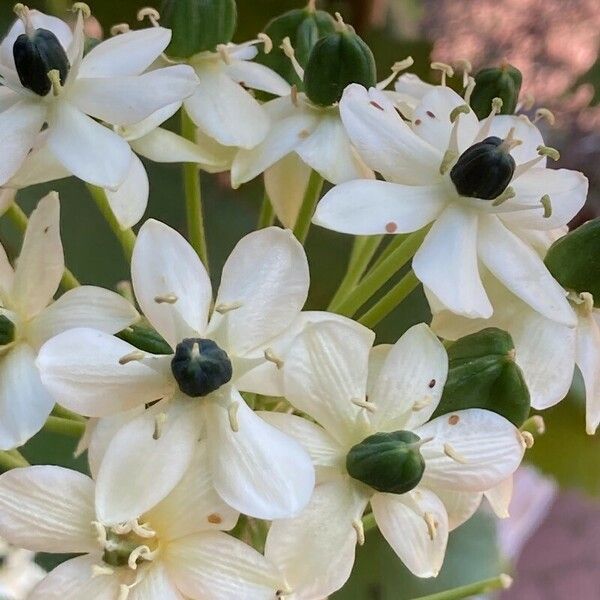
(353,391)
(264,285)
(26,307)
(108,84)
(174,549)
(468,233)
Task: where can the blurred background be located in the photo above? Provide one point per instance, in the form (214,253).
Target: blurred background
(552,543)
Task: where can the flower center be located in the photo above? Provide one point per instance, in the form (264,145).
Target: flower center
(485,169)
(127,545)
(200,367)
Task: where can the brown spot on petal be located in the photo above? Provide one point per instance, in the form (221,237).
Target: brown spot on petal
(215,519)
(378,106)
(430,114)
(454,419)
(391,227)
(432,383)
(304,134)
(418,121)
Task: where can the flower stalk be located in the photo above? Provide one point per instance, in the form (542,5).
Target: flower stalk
(501,582)
(68,427)
(309,203)
(12,459)
(267,213)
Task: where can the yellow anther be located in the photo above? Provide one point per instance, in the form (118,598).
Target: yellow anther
(360,531)
(527,439)
(547,204)
(497,104)
(544,113)
(507,194)
(449,157)
(447,70)
(267,42)
(134,356)
(166,299)
(450,452)
(548,151)
(54,77)
(463,109)
(224,308)
(83,8)
(119,28)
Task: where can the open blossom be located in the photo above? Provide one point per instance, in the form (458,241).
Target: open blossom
(19,572)
(353,392)
(29,317)
(174,549)
(69,91)
(481,184)
(264,285)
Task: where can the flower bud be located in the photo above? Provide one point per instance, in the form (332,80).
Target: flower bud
(7,331)
(502,82)
(388,462)
(198,25)
(336,61)
(574,260)
(200,367)
(304,27)
(482,373)
(35,56)
(484,170)
(145,339)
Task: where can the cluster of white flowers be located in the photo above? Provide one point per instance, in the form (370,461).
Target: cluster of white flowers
(241,412)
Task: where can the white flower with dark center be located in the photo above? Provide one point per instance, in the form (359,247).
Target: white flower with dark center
(256,469)
(372,409)
(28,318)
(49,83)
(174,549)
(479,183)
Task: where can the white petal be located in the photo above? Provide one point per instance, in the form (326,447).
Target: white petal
(366,207)
(139,468)
(411,85)
(193,505)
(401,520)
(257,469)
(47,509)
(446,263)
(163,263)
(384,141)
(500,496)
(460,506)
(588,361)
(85,306)
(19,126)
(87,149)
(41,263)
(130,200)
(128,100)
(40,166)
(225,111)
(285,183)
(328,151)
(24,402)
(129,53)
(215,566)
(7,97)
(431,120)
(149,124)
(521,270)
(156,584)
(258,77)
(323,449)
(567,191)
(74,580)
(315,551)
(489,449)
(326,369)
(525,131)
(267,274)
(411,381)
(81,369)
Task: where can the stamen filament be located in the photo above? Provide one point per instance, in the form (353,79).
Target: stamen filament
(364,404)
(136,355)
(271,357)
(149,13)
(397,68)
(288,50)
(431,525)
(120,28)
(54,77)
(360,532)
(450,452)
(547,204)
(447,70)
(232,411)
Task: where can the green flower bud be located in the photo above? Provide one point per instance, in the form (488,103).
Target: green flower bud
(388,462)
(198,25)
(7,331)
(145,339)
(336,61)
(36,55)
(484,170)
(304,27)
(498,82)
(483,374)
(574,260)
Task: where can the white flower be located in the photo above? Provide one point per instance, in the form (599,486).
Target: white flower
(26,302)
(19,573)
(264,285)
(467,233)
(352,391)
(107,84)
(173,549)
(222,107)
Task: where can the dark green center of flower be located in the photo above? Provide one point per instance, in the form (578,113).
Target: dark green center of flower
(36,56)
(200,367)
(388,462)
(484,170)
(7,331)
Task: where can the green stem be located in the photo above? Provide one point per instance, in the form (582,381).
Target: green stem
(369,522)
(64,426)
(363,250)
(378,276)
(395,242)
(65,413)
(501,582)
(309,203)
(390,301)
(267,213)
(126,237)
(9,461)
(193,195)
